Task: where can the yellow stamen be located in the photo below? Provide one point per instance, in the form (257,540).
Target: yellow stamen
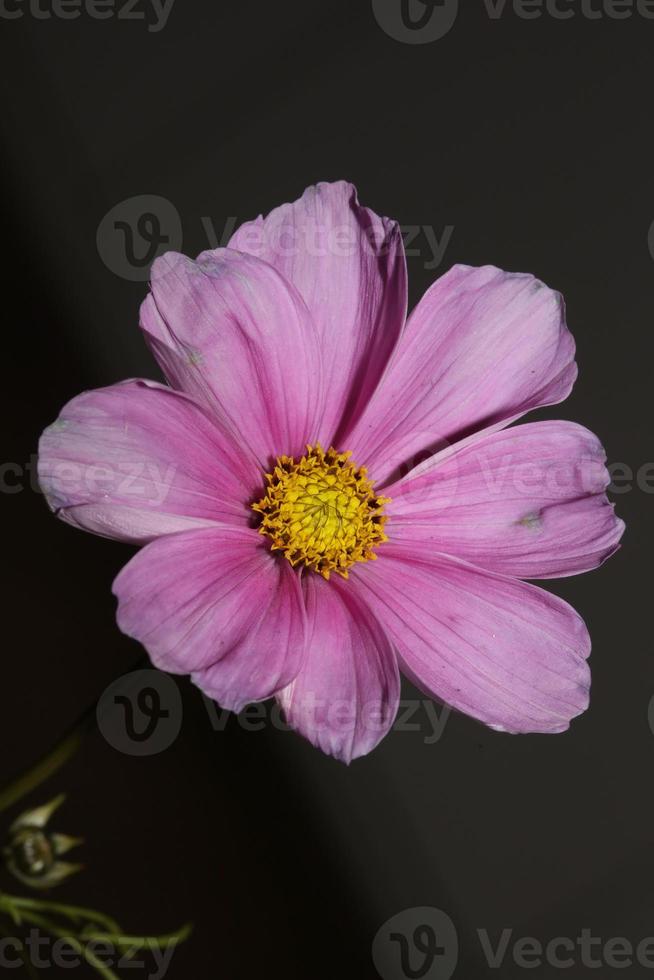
(322,511)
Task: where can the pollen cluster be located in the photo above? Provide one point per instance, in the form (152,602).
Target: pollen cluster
(322,511)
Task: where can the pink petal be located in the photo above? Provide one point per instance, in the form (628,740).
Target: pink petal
(137,460)
(345,697)
(230,331)
(481,348)
(213,603)
(349,266)
(527,501)
(503,651)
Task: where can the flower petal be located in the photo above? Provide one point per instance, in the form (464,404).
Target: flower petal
(214,603)
(348,264)
(345,697)
(230,331)
(503,651)
(481,348)
(527,501)
(137,460)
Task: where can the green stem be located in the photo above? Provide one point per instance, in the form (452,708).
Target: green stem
(80,948)
(53,761)
(73,912)
(42,770)
(30,910)
(161,942)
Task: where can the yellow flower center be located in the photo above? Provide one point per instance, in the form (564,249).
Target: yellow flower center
(322,511)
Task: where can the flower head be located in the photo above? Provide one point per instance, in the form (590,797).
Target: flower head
(33,854)
(322,511)
(327,491)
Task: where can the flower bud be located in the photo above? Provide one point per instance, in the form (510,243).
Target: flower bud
(33,853)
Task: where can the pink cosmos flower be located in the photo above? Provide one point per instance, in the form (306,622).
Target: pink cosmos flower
(310,428)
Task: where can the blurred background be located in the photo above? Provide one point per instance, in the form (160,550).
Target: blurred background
(522,141)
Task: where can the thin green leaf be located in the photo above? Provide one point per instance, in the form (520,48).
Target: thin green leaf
(43,769)
(80,948)
(74,913)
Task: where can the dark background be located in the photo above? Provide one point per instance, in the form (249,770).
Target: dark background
(532,138)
